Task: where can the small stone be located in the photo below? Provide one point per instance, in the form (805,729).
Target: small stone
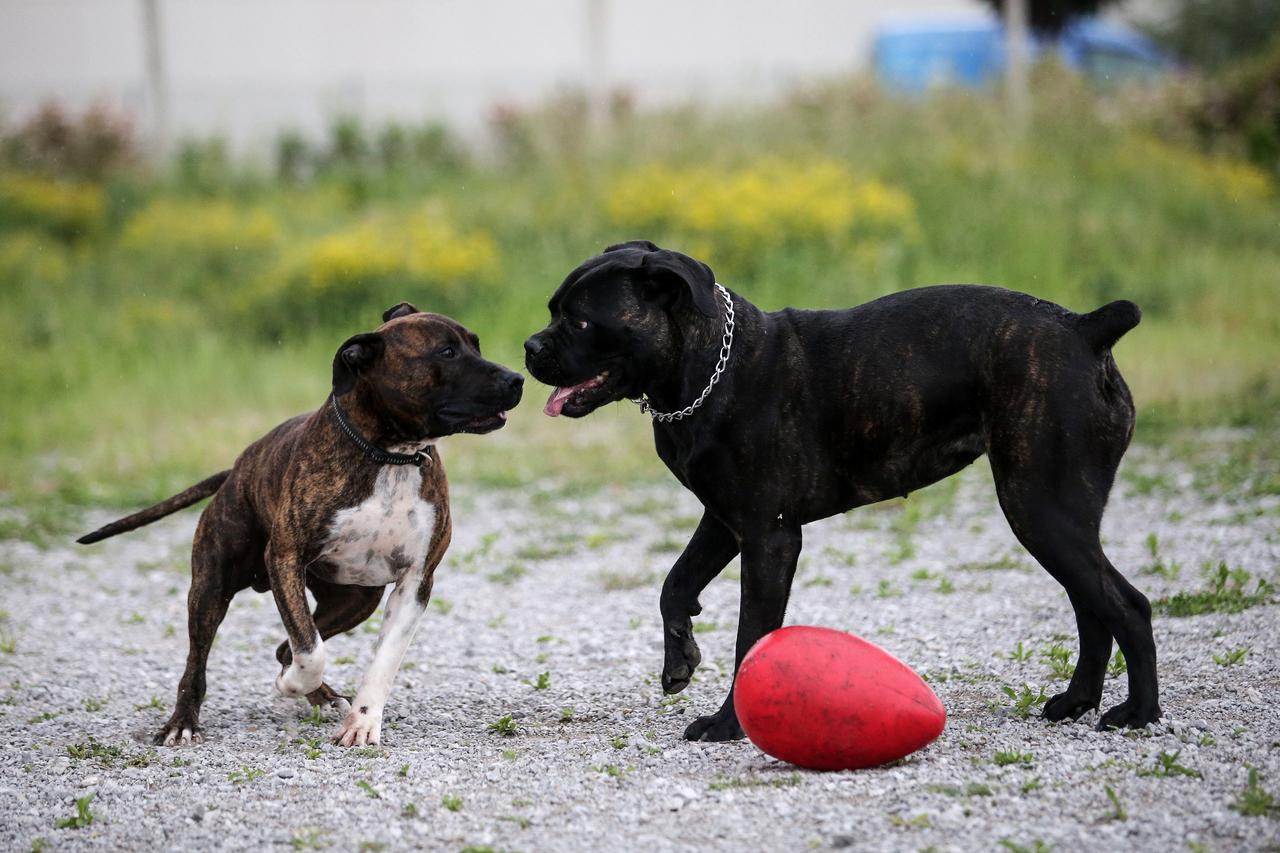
(286,773)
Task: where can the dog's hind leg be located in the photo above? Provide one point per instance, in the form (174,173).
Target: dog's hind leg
(1055,510)
(213,583)
(339,608)
(706,555)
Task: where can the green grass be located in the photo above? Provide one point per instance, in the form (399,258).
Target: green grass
(134,369)
(505,726)
(1058,657)
(1167,766)
(722,783)
(1254,800)
(1227,591)
(1025,700)
(1118,810)
(82,818)
(1021,653)
(972,789)
(245,775)
(1005,758)
(107,755)
(1231,657)
(508,575)
(1035,846)
(1118,666)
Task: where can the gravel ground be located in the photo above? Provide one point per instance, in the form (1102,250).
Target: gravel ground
(566,583)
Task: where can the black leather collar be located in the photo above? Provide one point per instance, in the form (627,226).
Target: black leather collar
(377,454)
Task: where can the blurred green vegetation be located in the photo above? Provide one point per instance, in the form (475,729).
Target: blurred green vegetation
(152,323)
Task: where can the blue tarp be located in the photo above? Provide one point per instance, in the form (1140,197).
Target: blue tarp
(915,55)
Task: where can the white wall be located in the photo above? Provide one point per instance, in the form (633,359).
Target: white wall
(247,68)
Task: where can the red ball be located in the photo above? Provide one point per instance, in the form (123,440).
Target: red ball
(828,700)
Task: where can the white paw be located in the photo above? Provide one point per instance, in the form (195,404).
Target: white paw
(362,726)
(298,682)
(182,737)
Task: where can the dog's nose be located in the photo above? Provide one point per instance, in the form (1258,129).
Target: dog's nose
(515,381)
(533,346)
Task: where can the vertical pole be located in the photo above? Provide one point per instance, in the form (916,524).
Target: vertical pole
(157,85)
(597,55)
(1017,95)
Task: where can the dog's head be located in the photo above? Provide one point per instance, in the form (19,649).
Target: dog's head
(615,325)
(424,375)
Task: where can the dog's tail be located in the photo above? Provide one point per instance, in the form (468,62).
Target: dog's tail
(1102,328)
(182,500)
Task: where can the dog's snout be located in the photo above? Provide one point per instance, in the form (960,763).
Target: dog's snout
(533,346)
(512,385)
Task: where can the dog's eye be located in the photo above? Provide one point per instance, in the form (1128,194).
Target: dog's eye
(447,352)
(580,324)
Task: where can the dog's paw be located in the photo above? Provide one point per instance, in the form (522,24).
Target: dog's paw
(360,727)
(1067,704)
(326,695)
(296,683)
(681,659)
(715,727)
(181,730)
(1129,715)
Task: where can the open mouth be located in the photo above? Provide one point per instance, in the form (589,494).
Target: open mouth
(575,396)
(487,423)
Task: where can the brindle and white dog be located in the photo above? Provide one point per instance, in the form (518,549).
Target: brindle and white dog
(342,501)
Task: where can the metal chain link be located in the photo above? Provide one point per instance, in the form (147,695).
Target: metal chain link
(726,345)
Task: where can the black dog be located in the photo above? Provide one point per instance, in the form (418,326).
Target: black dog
(776,420)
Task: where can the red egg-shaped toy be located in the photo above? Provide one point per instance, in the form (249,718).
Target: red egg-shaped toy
(828,700)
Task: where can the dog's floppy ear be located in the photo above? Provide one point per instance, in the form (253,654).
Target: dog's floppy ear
(631,244)
(673,276)
(402,310)
(357,353)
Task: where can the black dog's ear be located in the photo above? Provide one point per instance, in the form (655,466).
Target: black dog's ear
(357,353)
(402,310)
(631,244)
(673,276)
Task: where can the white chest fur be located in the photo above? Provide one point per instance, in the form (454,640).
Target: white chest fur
(388,534)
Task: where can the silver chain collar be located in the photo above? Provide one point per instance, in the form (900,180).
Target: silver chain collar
(726,345)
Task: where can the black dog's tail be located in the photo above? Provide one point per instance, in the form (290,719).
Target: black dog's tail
(1102,328)
(182,500)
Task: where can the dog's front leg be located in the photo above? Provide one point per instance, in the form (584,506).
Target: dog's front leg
(305,671)
(712,547)
(769,555)
(400,617)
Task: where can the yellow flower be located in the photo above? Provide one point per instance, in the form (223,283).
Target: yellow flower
(770,202)
(1236,180)
(32,257)
(382,256)
(68,210)
(210,228)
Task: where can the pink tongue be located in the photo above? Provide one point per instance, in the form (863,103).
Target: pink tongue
(557,399)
